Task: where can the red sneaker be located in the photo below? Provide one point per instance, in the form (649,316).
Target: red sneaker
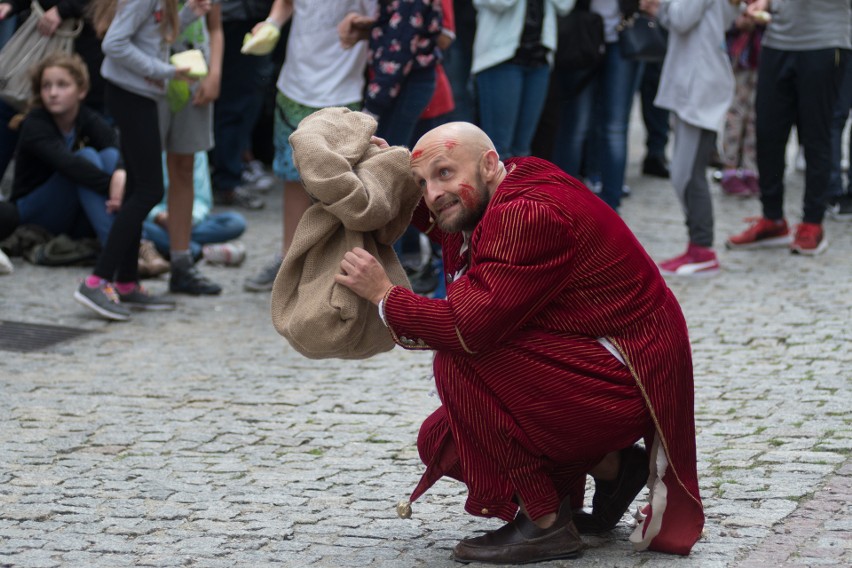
(762,233)
(696,261)
(810,240)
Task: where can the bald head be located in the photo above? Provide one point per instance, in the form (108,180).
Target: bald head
(462,137)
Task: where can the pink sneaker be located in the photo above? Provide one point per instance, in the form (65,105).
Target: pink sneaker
(697,261)
(752,183)
(732,184)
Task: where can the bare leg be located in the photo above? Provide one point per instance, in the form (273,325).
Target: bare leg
(180,197)
(542,522)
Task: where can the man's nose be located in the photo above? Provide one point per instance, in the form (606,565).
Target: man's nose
(432,192)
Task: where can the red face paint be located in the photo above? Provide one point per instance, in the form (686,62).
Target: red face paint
(468,196)
(416,154)
(450,144)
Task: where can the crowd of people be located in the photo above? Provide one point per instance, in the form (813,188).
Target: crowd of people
(410,66)
(465,85)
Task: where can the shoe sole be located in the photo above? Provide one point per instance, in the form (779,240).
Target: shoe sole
(196,292)
(821,247)
(150,307)
(774,242)
(707,273)
(257,288)
(101,311)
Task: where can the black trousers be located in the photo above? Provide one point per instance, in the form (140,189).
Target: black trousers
(796,87)
(139,134)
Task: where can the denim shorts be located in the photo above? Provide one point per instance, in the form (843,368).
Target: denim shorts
(288,115)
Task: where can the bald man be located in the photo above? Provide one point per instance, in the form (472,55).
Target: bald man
(558,347)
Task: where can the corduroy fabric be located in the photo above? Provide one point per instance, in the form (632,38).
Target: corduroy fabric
(364,197)
(531,400)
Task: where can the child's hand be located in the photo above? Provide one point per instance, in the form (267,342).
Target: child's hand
(207,91)
(199,7)
(116,191)
(48,23)
(182,74)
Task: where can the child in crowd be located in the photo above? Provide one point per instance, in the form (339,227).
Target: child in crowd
(696,85)
(68,175)
(318,72)
(210,231)
(739,147)
(186,123)
(136,69)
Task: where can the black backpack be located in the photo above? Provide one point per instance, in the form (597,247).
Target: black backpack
(581,42)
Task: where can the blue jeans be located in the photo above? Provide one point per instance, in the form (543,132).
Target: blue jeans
(613,86)
(656,119)
(397,122)
(61,206)
(236,110)
(216,228)
(511,99)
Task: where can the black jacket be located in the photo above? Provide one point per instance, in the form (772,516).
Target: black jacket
(42,152)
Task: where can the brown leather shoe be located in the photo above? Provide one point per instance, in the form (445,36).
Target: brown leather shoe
(612,498)
(522,542)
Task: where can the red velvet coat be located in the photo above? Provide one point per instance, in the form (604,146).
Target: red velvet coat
(531,400)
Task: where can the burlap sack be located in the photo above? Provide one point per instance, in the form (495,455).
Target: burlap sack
(364,198)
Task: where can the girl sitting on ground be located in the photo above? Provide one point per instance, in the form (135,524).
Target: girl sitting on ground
(68,176)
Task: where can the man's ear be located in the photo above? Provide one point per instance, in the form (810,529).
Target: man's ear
(489,165)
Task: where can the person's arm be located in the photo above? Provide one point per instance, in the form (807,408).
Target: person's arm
(208,87)
(391,65)
(510,282)
(280,13)
(118,41)
(40,139)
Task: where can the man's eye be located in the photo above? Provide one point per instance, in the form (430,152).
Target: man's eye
(421,183)
(444,172)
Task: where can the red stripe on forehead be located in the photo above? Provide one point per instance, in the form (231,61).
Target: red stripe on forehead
(416,154)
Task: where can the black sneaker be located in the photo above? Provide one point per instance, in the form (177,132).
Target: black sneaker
(840,208)
(102,300)
(238,197)
(655,166)
(191,281)
(140,299)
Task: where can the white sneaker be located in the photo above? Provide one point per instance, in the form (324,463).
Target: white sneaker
(226,254)
(6,266)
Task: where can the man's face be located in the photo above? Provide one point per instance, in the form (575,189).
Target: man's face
(451,183)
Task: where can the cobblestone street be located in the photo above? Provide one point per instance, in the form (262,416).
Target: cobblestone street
(200,438)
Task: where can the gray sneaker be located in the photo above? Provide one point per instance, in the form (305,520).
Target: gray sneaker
(263,280)
(103,300)
(140,299)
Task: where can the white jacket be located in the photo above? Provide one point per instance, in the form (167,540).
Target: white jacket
(499,24)
(697,82)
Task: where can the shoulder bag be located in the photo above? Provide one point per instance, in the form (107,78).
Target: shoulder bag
(26,48)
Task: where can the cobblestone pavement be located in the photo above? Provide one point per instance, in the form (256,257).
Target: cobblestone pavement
(199,438)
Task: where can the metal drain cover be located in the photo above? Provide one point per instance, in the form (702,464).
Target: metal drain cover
(25,337)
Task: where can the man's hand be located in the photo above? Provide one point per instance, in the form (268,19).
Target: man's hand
(363,274)
(48,23)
